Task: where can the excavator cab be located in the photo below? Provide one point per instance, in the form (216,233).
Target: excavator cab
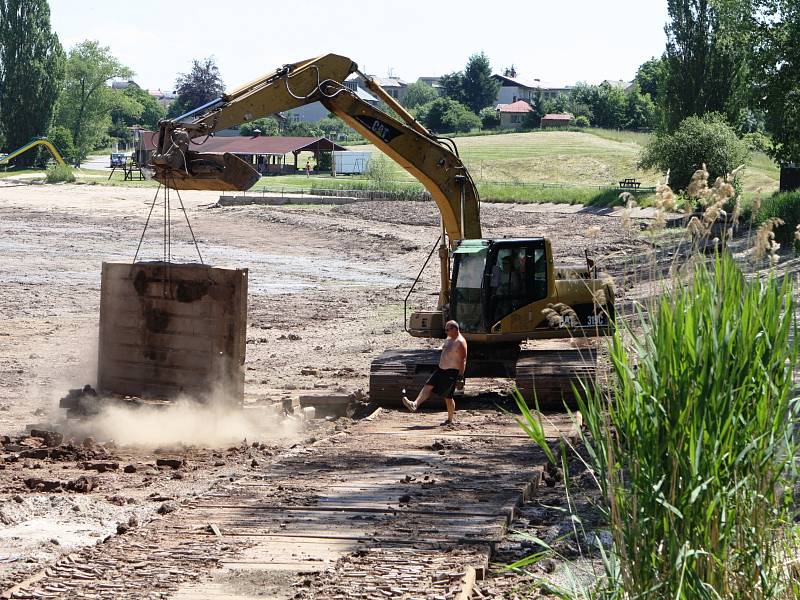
(493,279)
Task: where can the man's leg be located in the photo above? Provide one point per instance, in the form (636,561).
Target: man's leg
(423,395)
(451,408)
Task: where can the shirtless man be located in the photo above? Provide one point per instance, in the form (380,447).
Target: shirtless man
(449,373)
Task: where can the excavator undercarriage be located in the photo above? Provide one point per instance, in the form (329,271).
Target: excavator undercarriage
(543,372)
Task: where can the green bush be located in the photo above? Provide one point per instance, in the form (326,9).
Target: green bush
(62,140)
(324,161)
(758,142)
(490,118)
(446,115)
(419,93)
(702,140)
(60,173)
(784,206)
(581,121)
(267,126)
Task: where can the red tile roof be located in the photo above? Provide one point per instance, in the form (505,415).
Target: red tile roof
(558,117)
(262,144)
(520,106)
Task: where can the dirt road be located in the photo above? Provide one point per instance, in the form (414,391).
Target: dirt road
(326,291)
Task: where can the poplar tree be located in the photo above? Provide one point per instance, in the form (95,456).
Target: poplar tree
(706,59)
(31,72)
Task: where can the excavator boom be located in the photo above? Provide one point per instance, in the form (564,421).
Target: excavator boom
(432,160)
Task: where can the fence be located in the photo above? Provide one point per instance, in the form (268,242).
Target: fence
(409,190)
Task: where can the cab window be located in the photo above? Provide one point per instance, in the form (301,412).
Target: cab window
(518,278)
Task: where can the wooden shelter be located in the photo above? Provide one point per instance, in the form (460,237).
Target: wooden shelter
(267,153)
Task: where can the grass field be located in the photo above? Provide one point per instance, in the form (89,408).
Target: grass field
(596,157)
(507,167)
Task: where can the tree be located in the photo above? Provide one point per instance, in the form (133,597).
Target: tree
(778,59)
(452,85)
(490,118)
(419,93)
(640,111)
(133,107)
(479,87)
(31,71)
(62,140)
(198,87)
(707,139)
(152,111)
(609,106)
(706,59)
(86,101)
(650,77)
(267,126)
(533,119)
(446,115)
(474,86)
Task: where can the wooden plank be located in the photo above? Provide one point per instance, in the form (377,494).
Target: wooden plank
(25,583)
(467,585)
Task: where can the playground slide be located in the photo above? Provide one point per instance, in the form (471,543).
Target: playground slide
(4,158)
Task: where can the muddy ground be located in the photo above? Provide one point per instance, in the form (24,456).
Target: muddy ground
(326,291)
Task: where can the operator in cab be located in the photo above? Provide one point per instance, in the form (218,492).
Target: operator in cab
(448,375)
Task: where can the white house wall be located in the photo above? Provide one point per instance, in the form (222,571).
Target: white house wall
(310,113)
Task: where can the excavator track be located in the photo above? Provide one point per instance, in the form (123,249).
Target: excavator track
(398,373)
(547,376)
(544,374)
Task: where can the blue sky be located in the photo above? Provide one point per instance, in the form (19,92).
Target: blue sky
(560,42)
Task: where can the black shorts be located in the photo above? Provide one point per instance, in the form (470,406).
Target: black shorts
(443,382)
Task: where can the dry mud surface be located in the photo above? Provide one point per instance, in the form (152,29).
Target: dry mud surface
(326,297)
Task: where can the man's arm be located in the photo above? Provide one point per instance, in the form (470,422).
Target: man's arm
(462,349)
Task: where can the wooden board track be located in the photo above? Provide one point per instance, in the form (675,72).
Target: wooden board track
(394,507)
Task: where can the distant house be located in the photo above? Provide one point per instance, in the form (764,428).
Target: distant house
(556,120)
(266,153)
(311,113)
(394,86)
(433,82)
(513,115)
(520,88)
(625,86)
(163,98)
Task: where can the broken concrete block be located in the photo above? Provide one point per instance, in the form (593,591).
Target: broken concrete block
(43,485)
(82,484)
(101,467)
(50,438)
(167,508)
(174,463)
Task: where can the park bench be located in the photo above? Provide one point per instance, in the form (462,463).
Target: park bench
(630,184)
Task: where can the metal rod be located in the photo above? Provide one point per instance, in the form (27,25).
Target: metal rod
(413,285)
(194,239)
(146,223)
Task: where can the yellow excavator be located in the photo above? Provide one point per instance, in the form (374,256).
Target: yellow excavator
(4,158)
(505,293)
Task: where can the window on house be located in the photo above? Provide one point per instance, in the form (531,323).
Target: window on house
(515,118)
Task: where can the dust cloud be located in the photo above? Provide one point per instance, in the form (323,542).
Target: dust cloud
(187,422)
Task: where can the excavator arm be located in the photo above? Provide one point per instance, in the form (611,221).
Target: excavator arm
(432,160)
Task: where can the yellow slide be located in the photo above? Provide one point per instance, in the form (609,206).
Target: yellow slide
(4,158)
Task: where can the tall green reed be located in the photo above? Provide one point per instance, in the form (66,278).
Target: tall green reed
(693,443)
